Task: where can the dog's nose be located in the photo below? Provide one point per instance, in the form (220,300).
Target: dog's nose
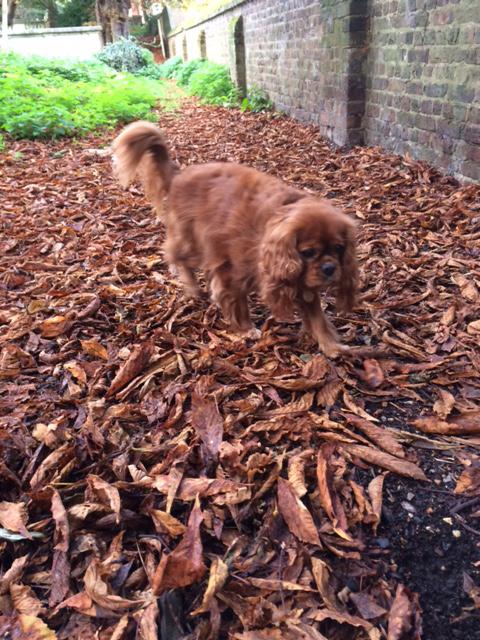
(328,269)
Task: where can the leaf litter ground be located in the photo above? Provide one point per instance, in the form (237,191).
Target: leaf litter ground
(163,479)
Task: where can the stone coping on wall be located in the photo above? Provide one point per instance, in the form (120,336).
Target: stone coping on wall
(56,31)
(191,25)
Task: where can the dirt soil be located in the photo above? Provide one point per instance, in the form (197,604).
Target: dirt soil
(163,478)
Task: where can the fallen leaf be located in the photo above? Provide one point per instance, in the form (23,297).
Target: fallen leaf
(216,580)
(386,461)
(402,616)
(208,423)
(13,516)
(184,565)
(25,601)
(444,405)
(105,493)
(60,564)
(373,374)
(296,514)
(136,363)
(94,348)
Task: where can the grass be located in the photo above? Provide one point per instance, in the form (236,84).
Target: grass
(42,98)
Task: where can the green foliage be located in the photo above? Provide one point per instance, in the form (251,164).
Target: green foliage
(49,99)
(125,55)
(2,143)
(208,80)
(184,72)
(256,101)
(170,67)
(74,13)
(212,83)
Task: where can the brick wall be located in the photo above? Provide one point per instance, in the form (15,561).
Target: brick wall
(403,74)
(300,52)
(423,81)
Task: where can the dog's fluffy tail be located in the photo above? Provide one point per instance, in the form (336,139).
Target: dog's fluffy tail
(140,149)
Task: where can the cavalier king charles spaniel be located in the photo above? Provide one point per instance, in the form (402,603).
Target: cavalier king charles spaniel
(248,232)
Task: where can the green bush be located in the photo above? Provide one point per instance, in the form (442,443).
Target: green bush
(74,13)
(2,143)
(170,67)
(125,55)
(211,82)
(256,101)
(184,72)
(49,99)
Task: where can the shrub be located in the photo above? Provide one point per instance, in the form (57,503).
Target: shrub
(38,98)
(212,83)
(256,101)
(2,143)
(125,55)
(184,72)
(170,67)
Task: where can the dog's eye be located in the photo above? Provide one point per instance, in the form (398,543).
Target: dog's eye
(309,253)
(339,248)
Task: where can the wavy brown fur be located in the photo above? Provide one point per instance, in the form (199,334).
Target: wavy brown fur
(140,149)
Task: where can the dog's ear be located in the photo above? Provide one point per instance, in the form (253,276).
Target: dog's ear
(347,286)
(280,268)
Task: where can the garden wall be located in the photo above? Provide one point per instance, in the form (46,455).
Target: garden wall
(71,42)
(404,74)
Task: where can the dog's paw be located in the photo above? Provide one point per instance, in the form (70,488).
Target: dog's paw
(333,349)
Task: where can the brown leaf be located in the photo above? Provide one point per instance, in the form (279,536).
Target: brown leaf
(321,573)
(355,408)
(328,394)
(94,348)
(147,627)
(328,497)
(166,523)
(444,405)
(56,326)
(60,564)
(375,491)
(380,435)
(296,514)
(25,627)
(208,423)
(135,364)
(469,481)
(343,618)
(25,601)
(432,424)
(13,516)
(373,375)
(99,590)
(386,461)
(105,493)
(402,618)
(216,580)
(58,457)
(366,606)
(184,565)
(296,471)
(13,574)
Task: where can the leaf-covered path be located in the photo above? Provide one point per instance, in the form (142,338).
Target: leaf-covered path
(162,479)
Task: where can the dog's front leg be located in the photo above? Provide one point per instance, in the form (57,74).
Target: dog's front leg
(318,325)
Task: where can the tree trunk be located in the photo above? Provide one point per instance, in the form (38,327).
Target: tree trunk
(112,16)
(52,14)
(11,12)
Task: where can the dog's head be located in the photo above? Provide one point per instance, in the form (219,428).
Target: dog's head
(308,246)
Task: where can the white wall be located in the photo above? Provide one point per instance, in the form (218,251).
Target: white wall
(71,42)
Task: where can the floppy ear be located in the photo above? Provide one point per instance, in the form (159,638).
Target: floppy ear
(347,286)
(280,268)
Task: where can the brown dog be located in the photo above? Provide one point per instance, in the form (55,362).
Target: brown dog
(248,232)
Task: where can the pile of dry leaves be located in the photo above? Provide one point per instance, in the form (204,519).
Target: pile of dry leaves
(162,478)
